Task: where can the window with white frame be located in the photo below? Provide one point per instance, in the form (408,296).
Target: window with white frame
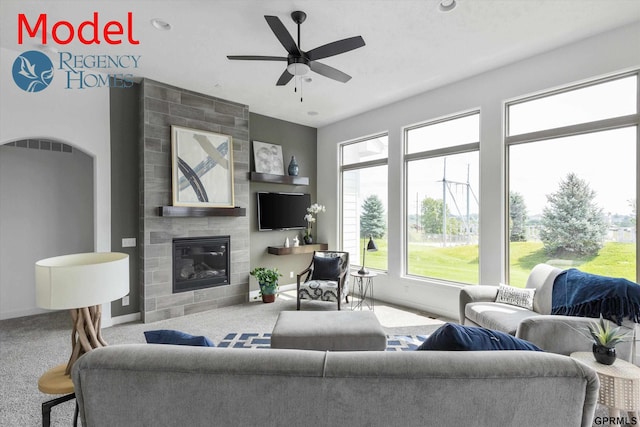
(364,200)
(442,198)
(572,173)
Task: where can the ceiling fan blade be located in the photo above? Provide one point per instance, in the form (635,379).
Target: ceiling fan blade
(336,48)
(282,34)
(285,78)
(330,72)
(257,58)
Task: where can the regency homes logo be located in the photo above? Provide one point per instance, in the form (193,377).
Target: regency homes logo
(33,71)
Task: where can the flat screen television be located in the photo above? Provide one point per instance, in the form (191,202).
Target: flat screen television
(282,211)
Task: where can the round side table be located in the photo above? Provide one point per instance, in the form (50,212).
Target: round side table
(55,381)
(619,384)
(364,285)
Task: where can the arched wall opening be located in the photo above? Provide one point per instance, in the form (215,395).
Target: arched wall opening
(47,207)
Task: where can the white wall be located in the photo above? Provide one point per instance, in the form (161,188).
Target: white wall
(605,54)
(77,117)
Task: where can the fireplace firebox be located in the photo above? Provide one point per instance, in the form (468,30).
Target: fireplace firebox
(200,262)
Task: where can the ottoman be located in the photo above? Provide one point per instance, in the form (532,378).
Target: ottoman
(328,330)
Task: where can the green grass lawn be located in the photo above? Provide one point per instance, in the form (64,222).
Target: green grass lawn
(460,263)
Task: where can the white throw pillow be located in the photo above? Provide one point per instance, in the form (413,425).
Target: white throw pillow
(516,296)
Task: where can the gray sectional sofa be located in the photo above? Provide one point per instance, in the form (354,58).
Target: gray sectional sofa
(164,385)
(553,333)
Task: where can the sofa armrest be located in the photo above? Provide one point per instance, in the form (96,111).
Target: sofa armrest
(566,334)
(476,293)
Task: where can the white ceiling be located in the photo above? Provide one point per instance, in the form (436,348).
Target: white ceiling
(411,46)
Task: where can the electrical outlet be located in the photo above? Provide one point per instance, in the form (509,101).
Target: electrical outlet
(129,242)
(125,300)
(291,274)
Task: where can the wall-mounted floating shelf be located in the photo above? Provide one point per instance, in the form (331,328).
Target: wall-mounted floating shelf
(279,179)
(192,211)
(293,250)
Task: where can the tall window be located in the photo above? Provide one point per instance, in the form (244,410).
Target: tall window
(442,205)
(572,179)
(364,199)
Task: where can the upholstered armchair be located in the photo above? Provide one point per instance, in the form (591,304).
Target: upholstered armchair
(326,278)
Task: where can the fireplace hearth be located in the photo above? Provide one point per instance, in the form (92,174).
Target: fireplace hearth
(201,262)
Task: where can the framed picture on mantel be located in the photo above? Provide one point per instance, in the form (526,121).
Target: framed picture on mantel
(268,158)
(202,168)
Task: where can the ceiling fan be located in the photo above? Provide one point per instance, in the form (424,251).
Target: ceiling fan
(300,62)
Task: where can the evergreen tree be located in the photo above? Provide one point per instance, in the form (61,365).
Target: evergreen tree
(372,221)
(518,216)
(572,224)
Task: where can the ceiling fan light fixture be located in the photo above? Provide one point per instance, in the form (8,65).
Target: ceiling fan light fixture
(447,5)
(298,68)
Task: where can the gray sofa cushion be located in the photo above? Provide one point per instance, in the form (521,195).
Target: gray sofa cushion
(497,316)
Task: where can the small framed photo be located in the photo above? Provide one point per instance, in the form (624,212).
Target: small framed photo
(202,168)
(268,158)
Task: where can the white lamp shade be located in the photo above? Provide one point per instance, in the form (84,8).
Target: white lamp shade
(81,280)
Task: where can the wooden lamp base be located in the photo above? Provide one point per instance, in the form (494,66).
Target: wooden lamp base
(86,334)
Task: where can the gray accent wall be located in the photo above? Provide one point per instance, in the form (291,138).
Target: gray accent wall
(125,119)
(296,140)
(161,106)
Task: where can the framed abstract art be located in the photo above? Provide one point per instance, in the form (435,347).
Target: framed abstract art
(202,168)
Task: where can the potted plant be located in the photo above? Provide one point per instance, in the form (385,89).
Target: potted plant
(268,280)
(605,339)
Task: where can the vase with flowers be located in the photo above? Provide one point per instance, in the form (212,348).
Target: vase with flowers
(310,217)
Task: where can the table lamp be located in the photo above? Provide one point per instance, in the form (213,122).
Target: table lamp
(82,283)
(371,247)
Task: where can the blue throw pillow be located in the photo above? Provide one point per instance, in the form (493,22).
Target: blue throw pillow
(451,336)
(325,268)
(168,336)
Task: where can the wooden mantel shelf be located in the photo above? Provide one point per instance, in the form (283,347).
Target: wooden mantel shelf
(293,250)
(279,179)
(192,211)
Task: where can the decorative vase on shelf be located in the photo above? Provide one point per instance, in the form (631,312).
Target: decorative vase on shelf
(308,239)
(293,167)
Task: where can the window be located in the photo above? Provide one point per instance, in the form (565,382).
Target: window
(572,180)
(442,205)
(364,199)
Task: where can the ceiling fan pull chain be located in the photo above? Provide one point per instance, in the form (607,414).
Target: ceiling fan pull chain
(301,89)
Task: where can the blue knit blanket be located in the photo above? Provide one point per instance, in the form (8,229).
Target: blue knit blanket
(576,293)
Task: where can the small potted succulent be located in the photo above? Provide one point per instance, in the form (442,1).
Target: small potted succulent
(605,339)
(268,280)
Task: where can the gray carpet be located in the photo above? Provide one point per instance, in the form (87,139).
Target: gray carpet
(29,346)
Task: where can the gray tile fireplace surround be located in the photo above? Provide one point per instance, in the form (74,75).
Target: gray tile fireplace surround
(162,106)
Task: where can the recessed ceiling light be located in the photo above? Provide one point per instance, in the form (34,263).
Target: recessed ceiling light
(159,24)
(312,113)
(447,5)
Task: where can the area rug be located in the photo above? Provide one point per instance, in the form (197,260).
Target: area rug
(263,340)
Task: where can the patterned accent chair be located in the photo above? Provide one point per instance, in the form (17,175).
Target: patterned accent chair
(326,278)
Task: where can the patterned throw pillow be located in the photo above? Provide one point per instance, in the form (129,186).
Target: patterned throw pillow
(516,296)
